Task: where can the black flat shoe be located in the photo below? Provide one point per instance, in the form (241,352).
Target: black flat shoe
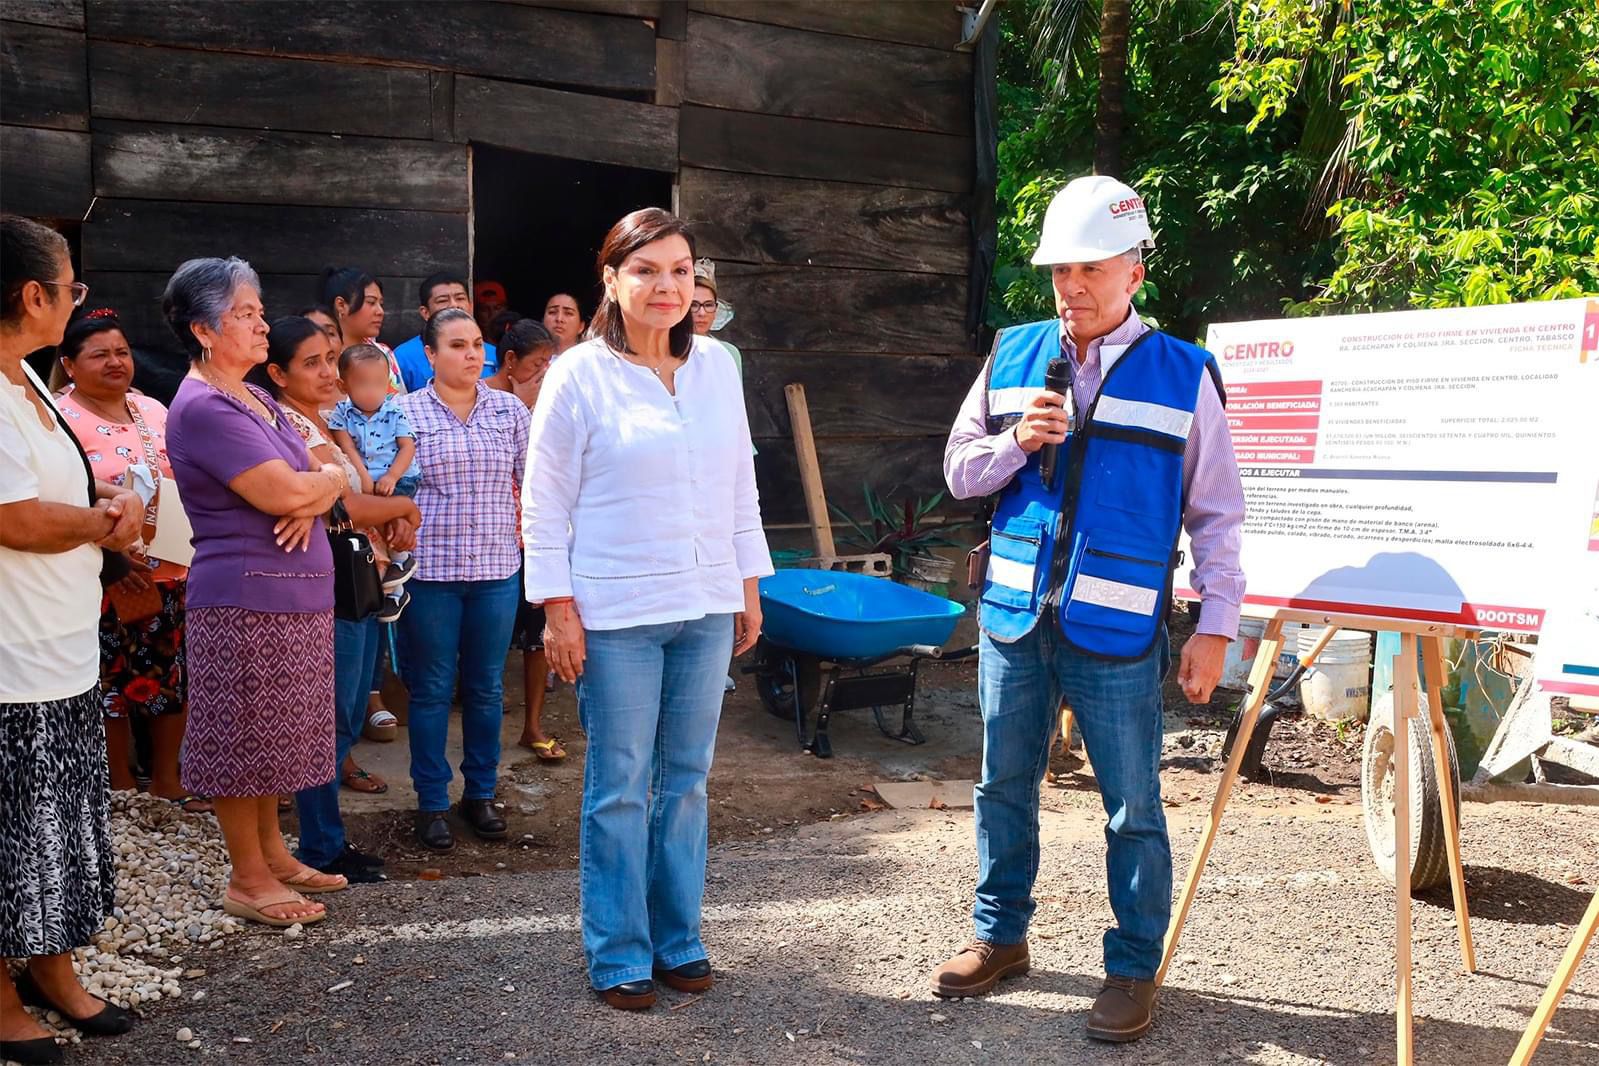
(629,995)
(486,822)
(689,977)
(433,831)
(346,867)
(42,1051)
(111,1020)
(354,856)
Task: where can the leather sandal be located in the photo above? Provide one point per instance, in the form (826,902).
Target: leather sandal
(306,881)
(254,910)
(359,780)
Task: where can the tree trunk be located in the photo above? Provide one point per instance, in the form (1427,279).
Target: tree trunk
(1114,21)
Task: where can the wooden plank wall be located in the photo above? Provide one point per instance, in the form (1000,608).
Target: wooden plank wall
(300,135)
(823,150)
(827,163)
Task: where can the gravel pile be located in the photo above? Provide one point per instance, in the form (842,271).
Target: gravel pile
(172,868)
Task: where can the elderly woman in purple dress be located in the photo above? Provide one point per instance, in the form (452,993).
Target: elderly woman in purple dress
(260,601)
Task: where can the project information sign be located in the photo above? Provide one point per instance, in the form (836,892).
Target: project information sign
(1424,465)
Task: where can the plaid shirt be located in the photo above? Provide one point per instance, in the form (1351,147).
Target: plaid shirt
(471,478)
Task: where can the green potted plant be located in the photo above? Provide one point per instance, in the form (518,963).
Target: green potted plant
(901,529)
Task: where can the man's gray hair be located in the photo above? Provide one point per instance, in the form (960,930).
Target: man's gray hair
(1134,254)
(202,290)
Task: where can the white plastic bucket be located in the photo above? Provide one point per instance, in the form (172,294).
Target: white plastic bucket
(1241,653)
(1338,686)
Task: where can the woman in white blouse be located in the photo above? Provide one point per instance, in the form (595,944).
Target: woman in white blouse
(643,541)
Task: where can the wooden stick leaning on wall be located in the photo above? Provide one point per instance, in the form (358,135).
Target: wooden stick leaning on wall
(1557,987)
(799,415)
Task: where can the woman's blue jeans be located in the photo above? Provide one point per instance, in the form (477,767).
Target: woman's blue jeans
(1118,708)
(355,647)
(450,626)
(649,699)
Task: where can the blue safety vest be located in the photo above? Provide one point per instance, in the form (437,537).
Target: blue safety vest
(1117,502)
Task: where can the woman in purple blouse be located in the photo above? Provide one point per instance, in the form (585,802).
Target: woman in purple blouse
(471,446)
(260,600)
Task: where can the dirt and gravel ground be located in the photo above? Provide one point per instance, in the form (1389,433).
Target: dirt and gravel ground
(824,915)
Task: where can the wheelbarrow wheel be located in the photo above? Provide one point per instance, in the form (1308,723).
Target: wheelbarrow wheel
(776,677)
(1429,864)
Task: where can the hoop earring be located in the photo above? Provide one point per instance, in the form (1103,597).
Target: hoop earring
(205,355)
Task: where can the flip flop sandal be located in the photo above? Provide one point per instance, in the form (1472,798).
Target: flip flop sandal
(547,750)
(303,881)
(348,781)
(253,910)
(381,726)
(182,803)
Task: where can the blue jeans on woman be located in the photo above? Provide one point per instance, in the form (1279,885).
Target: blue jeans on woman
(355,646)
(450,626)
(1118,708)
(649,699)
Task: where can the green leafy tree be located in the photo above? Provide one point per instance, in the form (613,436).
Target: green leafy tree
(1466,168)
(1228,203)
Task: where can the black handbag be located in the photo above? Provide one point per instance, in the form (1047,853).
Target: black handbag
(357,589)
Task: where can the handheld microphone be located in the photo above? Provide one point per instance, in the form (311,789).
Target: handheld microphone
(1057,378)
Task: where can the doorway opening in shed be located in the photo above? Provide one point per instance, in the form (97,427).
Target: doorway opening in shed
(538,221)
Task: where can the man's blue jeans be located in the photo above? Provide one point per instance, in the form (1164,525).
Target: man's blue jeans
(450,626)
(355,646)
(1118,709)
(649,698)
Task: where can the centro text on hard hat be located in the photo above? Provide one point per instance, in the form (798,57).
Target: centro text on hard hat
(1093,218)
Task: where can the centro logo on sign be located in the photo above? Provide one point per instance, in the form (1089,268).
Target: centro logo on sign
(1259,350)
(1121,207)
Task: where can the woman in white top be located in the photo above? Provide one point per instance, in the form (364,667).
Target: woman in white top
(643,541)
(57,869)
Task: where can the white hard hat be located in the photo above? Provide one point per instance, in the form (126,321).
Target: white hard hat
(1093,218)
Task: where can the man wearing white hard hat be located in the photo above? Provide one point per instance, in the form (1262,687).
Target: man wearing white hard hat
(1078,582)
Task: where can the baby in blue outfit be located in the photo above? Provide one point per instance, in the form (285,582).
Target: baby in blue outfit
(375,435)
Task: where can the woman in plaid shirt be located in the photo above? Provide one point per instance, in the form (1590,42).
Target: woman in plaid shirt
(471,446)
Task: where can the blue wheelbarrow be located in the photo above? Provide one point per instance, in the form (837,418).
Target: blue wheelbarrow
(832,636)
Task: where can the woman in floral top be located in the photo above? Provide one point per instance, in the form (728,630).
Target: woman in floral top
(141,621)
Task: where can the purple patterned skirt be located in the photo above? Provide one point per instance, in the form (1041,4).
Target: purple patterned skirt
(260,702)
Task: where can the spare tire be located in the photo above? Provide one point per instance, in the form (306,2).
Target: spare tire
(1429,865)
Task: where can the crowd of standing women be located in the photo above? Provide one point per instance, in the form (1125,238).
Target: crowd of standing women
(200,571)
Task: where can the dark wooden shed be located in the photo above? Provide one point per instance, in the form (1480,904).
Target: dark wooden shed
(827,151)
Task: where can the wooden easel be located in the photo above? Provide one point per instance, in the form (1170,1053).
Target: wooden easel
(1406,706)
(1557,987)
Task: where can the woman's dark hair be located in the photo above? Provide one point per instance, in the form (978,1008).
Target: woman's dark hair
(500,323)
(28,252)
(522,337)
(633,232)
(286,336)
(430,328)
(201,290)
(82,327)
(348,283)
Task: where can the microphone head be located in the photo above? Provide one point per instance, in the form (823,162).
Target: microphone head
(1058,376)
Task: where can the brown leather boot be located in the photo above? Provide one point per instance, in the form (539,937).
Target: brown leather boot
(1123,1011)
(978,967)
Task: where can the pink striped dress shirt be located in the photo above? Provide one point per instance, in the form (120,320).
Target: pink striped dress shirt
(977,464)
